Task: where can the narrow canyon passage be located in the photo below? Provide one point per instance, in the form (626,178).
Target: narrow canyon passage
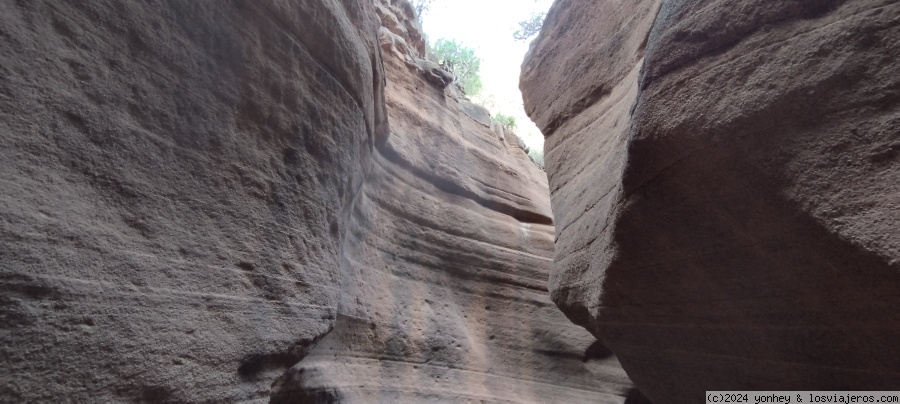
(287,201)
(268,201)
(445,265)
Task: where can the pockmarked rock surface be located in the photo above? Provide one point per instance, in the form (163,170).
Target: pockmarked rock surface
(446,261)
(204,201)
(725,182)
(176,180)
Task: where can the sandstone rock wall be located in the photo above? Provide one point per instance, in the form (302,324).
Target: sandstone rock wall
(196,195)
(176,180)
(444,282)
(727,206)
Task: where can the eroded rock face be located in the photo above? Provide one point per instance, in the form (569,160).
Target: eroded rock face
(444,282)
(176,178)
(727,210)
(197,195)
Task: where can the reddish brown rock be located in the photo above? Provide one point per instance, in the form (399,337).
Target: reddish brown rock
(728,218)
(444,278)
(198,195)
(175,178)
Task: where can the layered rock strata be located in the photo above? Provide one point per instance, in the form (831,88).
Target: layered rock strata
(446,263)
(198,195)
(726,188)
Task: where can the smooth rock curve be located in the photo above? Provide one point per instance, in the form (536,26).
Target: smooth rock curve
(446,263)
(728,209)
(204,201)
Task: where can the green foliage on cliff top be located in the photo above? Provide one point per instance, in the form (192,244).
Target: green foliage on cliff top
(462,61)
(529,27)
(508,122)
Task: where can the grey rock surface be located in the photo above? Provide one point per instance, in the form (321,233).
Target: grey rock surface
(238,201)
(725,182)
(176,177)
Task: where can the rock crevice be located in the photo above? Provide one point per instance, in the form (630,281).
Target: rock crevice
(444,272)
(245,201)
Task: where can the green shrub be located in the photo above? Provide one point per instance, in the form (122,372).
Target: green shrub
(508,122)
(461,61)
(529,27)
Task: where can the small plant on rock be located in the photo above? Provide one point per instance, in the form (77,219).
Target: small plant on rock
(461,61)
(529,27)
(508,122)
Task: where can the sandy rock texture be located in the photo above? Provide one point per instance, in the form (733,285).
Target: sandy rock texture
(209,201)
(446,264)
(727,204)
(176,179)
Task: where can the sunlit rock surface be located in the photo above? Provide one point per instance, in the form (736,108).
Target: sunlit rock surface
(197,195)
(444,292)
(726,188)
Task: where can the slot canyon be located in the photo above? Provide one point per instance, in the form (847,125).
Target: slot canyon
(287,201)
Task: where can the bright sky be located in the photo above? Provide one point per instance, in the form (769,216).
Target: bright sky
(487,26)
